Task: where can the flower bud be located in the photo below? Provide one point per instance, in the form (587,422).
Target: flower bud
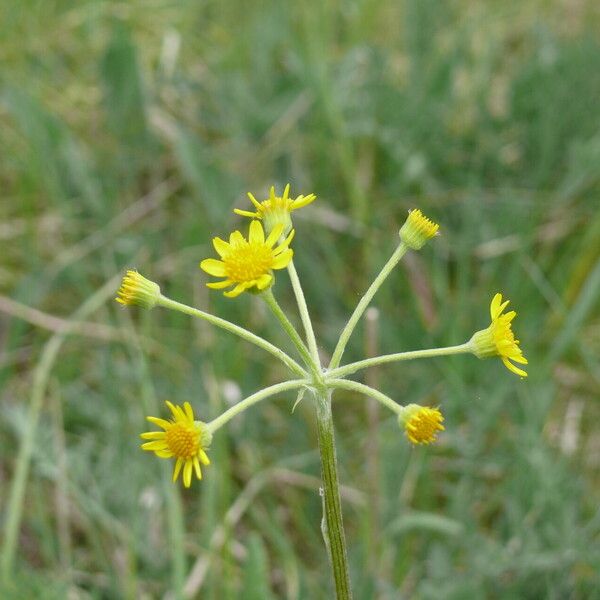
(136,290)
(417,229)
(420,423)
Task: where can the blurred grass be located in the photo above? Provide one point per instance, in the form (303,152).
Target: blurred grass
(130,130)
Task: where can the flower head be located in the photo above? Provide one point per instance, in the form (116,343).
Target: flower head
(417,229)
(248,264)
(498,339)
(183,439)
(276,210)
(137,290)
(421,424)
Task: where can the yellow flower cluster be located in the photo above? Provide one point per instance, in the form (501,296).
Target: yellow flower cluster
(136,290)
(417,229)
(248,264)
(498,339)
(421,424)
(183,438)
(276,210)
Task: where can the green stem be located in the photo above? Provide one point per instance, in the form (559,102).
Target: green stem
(398,356)
(361,388)
(364,303)
(332,525)
(268,297)
(251,400)
(304,315)
(14,509)
(235,329)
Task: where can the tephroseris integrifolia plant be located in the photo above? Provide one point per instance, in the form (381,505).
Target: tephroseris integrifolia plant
(249,264)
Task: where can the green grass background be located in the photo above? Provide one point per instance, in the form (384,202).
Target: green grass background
(129,132)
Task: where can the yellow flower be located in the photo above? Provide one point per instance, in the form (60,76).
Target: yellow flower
(276,210)
(498,339)
(417,229)
(421,424)
(248,264)
(183,439)
(137,290)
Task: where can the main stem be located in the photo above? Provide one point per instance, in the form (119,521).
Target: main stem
(332,525)
(364,303)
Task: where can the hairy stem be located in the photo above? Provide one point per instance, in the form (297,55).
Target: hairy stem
(304,315)
(251,400)
(364,303)
(361,388)
(398,356)
(332,525)
(268,297)
(235,329)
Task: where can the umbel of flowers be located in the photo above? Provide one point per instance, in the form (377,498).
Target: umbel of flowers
(252,263)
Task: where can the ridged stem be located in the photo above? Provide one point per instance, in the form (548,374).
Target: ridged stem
(332,525)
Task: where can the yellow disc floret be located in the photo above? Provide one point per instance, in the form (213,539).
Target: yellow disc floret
(421,424)
(498,339)
(248,264)
(276,210)
(183,438)
(417,229)
(136,290)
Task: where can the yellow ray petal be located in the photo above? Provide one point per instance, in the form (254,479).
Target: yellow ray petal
(189,413)
(221,246)
(160,422)
(213,267)
(157,445)
(187,473)
(302,201)
(282,260)
(177,468)
(255,202)
(238,289)
(256,235)
(264,281)
(163,453)
(513,368)
(274,235)
(153,435)
(246,213)
(172,408)
(495,304)
(197,467)
(236,238)
(203,457)
(219,285)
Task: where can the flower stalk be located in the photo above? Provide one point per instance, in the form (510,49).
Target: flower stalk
(364,303)
(269,298)
(245,404)
(236,330)
(397,357)
(304,314)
